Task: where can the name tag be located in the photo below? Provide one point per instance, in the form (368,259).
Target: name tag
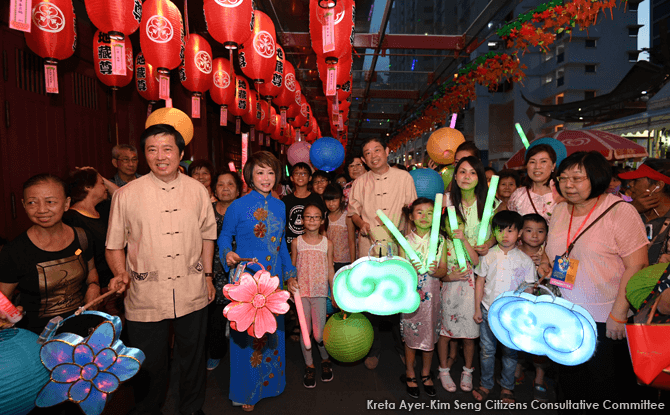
(564,273)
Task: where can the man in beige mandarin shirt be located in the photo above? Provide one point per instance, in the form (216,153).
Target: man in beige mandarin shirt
(388,189)
(166,221)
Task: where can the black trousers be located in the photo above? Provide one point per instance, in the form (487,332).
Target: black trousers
(151,383)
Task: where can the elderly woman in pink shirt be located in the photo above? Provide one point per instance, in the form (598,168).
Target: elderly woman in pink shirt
(609,253)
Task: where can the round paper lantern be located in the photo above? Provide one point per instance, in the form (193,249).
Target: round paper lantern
(230,22)
(146,79)
(428,182)
(23,374)
(326,154)
(174,117)
(447,174)
(343,25)
(252,117)
(162,34)
(272,119)
(222,89)
(443,143)
(53,34)
(276,133)
(102,60)
(296,106)
(264,122)
(241,99)
(348,339)
(273,87)
(301,117)
(299,151)
(122,16)
(258,54)
(195,72)
(287,95)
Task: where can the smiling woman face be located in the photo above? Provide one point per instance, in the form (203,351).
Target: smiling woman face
(539,167)
(203,175)
(264,179)
(45,203)
(466,176)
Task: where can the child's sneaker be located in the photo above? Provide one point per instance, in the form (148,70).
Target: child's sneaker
(466,379)
(309,380)
(326,371)
(447,382)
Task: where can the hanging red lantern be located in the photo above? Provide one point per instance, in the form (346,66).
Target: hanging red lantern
(53,37)
(272,120)
(102,60)
(257,56)
(222,89)
(294,109)
(195,72)
(287,95)
(273,87)
(252,115)
(146,79)
(276,133)
(230,22)
(301,117)
(339,34)
(265,115)
(162,39)
(240,102)
(122,16)
(334,72)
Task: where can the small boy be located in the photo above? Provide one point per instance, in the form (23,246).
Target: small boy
(504,268)
(533,236)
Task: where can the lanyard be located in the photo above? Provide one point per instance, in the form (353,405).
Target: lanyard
(567,249)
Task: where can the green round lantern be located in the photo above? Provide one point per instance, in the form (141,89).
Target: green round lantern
(349,338)
(447,175)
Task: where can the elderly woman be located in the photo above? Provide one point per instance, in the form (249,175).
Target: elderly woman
(608,240)
(228,188)
(51,263)
(203,171)
(257,222)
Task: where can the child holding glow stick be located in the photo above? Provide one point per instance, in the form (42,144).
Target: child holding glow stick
(312,255)
(468,196)
(420,330)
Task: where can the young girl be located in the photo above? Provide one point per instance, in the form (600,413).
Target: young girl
(468,196)
(341,230)
(312,255)
(420,329)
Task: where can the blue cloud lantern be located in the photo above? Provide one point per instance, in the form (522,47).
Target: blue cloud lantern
(326,154)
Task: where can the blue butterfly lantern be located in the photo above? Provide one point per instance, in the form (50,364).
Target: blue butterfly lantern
(86,370)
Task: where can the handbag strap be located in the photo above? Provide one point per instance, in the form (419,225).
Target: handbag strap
(572,245)
(531,201)
(653,309)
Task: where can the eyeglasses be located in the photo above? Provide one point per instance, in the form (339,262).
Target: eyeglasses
(573,180)
(355,165)
(301,174)
(313,218)
(322,181)
(127,160)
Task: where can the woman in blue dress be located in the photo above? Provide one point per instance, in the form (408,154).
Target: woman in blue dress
(257,222)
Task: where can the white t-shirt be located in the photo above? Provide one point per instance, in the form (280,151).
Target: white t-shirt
(504,272)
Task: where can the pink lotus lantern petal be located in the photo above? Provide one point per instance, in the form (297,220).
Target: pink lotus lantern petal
(267,284)
(265,323)
(277,302)
(245,290)
(243,314)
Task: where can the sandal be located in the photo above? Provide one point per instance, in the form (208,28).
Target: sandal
(507,396)
(483,394)
(466,379)
(430,389)
(540,392)
(412,391)
(518,381)
(447,382)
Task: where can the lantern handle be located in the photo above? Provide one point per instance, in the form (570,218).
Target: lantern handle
(389,252)
(55,323)
(532,284)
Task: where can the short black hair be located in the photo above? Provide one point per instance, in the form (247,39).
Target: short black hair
(321,173)
(471,147)
(370,140)
(507,219)
(301,165)
(343,175)
(333,192)
(78,181)
(489,168)
(316,205)
(261,159)
(503,174)
(598,170)
(44,178)
(236,178)
(536,218)
(167,129)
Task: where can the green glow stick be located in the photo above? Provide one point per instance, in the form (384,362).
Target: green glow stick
(401,239)
(458,244)
(287,173)
(488,210)
(435,230)
(522,135)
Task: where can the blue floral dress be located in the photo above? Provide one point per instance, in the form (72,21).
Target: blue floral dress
(421,329)
(257,224)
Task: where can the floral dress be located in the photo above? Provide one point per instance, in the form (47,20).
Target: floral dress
(458,297)
(257,223)
(421,329)
(520,203)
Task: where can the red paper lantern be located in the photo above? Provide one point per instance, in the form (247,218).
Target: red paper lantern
(146,79)
(274,86)
(102,60)
(222,89)
(258,54)
(343,27)
(287,95)
(241,98)
(162,34)
(294,109)
(301,117)
(230,22)
(271,120)
(265,115)
(122,16)
(276,133)
(252,116)
(195,72)
(342,67)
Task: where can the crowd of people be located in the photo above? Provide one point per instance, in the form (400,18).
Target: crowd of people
(167,243)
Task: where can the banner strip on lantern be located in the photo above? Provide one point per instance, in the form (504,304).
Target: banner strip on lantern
(149,109)
(164,89)
(195,106)
(231,166)
(224,116)
(168,103)
(267,140)
(20,15)
(252,133)
(260,138)
(238,126)
(283,117)
(328,32)
(51,78)
(118,56)
(340,122)
(336,106)
(331,83)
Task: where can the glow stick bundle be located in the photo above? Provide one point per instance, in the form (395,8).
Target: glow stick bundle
(435,229)
(453,120)
(401,240)
(301,319)
(522,135)
(458,244)
(488,210)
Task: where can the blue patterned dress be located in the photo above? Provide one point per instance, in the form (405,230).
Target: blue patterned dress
(257,365)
